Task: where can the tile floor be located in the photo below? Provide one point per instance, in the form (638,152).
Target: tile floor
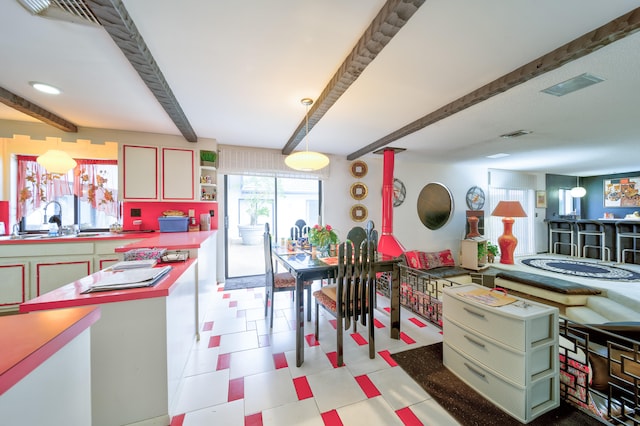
(242,373)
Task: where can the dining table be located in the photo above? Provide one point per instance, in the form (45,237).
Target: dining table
(306,267)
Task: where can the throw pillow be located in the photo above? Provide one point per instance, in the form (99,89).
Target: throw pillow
(413,259)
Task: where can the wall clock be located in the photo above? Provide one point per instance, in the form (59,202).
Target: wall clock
(359,169)
(358,191)
(399,192)
(475,198)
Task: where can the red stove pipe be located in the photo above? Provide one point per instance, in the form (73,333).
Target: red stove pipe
(388,244)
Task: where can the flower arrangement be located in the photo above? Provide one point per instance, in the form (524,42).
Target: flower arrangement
(322,236)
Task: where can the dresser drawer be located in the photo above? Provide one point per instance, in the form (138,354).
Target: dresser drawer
(516,366)
(507,330)
(506,395)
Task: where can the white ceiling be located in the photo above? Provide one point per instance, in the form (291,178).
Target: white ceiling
(240,68)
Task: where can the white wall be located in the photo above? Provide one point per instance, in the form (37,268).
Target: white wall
(407,226)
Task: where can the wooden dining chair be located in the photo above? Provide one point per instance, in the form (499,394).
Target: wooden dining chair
(348,300)
(276,282)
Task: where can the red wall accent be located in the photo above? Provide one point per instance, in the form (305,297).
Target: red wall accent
(4,216)
(151,211)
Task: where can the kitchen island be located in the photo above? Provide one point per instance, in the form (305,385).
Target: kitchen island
(39,352)
(140,346)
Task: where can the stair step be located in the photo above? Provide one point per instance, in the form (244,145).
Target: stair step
(585,315)
(612,309)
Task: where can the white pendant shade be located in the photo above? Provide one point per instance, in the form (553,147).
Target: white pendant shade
(578,192)
(56,161)
(307,161)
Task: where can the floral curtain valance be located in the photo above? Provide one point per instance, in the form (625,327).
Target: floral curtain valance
(90,182)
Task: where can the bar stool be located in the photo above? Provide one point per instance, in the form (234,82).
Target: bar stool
(630,231)
(560,227)
(595,230)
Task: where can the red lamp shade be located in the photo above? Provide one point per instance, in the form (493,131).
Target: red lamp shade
(507,241)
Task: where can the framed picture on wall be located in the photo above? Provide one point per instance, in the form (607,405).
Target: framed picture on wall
(541,199)
(622,192)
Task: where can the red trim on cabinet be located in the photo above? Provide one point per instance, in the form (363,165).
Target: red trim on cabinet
(192,197)
(39,265)
(24,284)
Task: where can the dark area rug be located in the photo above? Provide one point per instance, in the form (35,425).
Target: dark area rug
(425,366)
(244,282)
(579,268)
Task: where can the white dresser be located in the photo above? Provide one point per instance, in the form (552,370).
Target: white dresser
(508,354)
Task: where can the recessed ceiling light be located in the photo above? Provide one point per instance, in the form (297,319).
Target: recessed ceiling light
(500,155)
(45,88)
(516,134)
(573,84)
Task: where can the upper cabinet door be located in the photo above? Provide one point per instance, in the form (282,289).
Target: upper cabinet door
(178,174)
(140,172)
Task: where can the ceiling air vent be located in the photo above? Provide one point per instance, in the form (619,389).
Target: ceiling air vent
(75,11)
(573,84)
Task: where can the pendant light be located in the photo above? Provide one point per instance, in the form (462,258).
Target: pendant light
(307,160)
(56,161)
(578,191)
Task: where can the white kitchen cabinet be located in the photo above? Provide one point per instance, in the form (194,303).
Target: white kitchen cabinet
(52,272)
(14,286)
(178,176)
(473,254)
(139,180)
(508,354)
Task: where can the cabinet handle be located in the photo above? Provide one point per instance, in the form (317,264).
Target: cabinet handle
(474,371)
(475,342)
(478,314)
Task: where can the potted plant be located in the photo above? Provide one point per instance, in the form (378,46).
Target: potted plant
(208,158)
(492,252)
(258,198)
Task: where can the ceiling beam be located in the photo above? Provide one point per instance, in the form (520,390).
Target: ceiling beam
(391,18)
(115,19)
(26,107)
(612,31)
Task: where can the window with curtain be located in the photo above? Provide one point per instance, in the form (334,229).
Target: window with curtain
(85,196)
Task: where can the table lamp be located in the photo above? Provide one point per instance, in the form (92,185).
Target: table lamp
(507,241)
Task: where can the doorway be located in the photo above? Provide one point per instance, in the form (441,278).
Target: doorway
(252,201)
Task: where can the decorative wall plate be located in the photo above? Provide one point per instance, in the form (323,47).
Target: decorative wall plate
(399,192)
(359,169)
(358,191)
(475,198)
(359,213)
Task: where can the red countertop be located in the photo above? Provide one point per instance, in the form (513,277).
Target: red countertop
(170,240)
(26,341)
(71,295)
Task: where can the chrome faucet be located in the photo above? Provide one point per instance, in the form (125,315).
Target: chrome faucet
(57,220)
(16,230)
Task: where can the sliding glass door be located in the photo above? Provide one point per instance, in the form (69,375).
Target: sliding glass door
(252,201)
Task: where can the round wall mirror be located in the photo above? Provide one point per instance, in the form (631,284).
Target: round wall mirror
(435,205)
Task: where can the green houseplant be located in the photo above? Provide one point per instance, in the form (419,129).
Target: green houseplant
(208,158)
(492,252)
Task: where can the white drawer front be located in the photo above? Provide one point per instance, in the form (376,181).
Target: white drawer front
(505,395)
(506,362)
(507,330)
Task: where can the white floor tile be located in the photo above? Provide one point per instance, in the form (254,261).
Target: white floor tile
(203,360)
(238,342)
(252,361)
(430,413)
(268,390)
(398,388)
(370,412)
(228,326)
(315,361)
(298,413)
(335,388)
(231,413)
(203,390)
